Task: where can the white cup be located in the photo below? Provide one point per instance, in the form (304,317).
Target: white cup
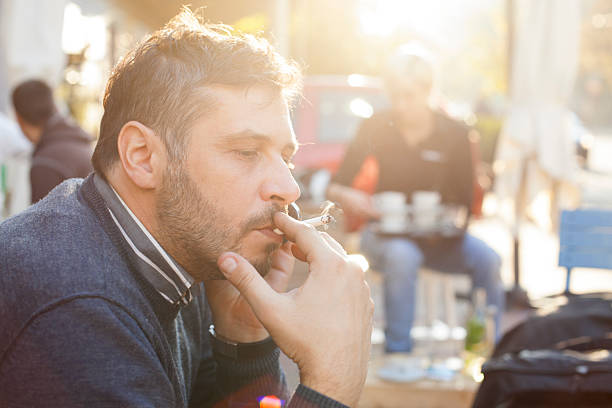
(392,207)
(426,208)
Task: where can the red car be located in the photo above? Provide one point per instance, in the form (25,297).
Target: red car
(328,117)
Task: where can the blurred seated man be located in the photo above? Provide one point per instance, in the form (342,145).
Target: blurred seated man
(417,148)
(62,149)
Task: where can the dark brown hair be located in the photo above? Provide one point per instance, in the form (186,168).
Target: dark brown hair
(33,102)
(160,82)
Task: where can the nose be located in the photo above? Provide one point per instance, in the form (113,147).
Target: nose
(279,186)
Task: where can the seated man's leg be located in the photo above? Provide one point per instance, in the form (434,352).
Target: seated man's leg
(399,260)
(481,262)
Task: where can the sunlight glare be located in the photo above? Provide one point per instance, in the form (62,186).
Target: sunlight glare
(81,31)
(383,17)
(73,40)
(360,260)
(441,23)
(357,80)
(361,108)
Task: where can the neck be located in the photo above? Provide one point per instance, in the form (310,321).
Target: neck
(417,128)
(416,120)
(33,133)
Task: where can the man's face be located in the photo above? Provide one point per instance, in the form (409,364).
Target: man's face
(235,176)
(409,98)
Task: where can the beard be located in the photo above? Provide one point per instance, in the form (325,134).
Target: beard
(196,232)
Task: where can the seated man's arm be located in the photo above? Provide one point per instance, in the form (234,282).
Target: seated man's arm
(84,352)
(353,201)
(340,190)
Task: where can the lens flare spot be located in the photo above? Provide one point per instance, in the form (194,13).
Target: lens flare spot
(270,401)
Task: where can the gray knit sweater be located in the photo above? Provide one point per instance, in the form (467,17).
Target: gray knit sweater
(79,327)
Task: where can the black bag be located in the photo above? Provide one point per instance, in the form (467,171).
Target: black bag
(560,358)
(558,319)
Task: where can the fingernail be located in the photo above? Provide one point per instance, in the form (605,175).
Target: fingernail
(228,265)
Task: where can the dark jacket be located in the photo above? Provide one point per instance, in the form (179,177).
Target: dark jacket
(442,162)
(79,327)
(64,152)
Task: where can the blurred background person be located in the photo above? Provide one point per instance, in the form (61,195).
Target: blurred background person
(417,148)
(62,149)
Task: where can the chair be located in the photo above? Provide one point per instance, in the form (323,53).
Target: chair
(437,296)
(585,238)
(437,293)
(439,287)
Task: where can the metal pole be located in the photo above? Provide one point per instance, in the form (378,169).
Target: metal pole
(517,297)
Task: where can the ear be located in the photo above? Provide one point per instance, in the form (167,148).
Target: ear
(31,132)
(142,154)
(19,119)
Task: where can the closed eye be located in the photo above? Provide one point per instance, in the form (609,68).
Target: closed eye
(247,154)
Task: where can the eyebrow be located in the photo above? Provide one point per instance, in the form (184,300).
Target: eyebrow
(249,135)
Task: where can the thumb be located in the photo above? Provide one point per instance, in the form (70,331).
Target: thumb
(251,285)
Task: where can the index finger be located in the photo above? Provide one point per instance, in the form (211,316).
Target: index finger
(306,237)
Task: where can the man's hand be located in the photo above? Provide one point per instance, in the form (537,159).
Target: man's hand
(353,201)
(232,315)
(325,325)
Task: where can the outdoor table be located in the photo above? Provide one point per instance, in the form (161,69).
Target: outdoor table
(425,393)
(412,231)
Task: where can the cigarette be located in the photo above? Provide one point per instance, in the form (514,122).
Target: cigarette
(315,222)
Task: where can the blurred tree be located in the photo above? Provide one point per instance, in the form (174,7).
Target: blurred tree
(480,65)
(324,36)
